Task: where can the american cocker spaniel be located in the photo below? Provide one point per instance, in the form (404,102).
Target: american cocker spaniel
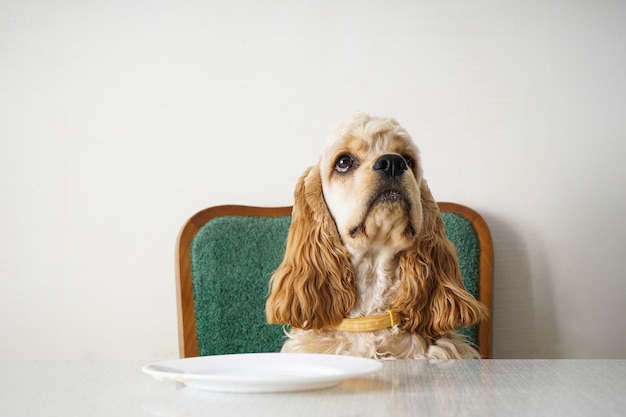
(368,269)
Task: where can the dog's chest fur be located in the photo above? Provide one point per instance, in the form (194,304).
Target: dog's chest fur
(376,283)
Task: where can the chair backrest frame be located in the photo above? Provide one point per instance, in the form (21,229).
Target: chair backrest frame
(187,336)
(485,270)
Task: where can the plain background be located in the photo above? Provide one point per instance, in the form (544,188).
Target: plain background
(120,119)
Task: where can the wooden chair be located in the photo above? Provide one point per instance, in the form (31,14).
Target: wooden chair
(226,255)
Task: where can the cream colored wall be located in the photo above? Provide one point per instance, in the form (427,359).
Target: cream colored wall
(120,119)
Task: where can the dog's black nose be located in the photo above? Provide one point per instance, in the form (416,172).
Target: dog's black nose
(391,165)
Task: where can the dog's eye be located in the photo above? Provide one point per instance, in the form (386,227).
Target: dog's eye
(344,163)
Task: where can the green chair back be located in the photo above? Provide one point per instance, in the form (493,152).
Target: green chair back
(227,255)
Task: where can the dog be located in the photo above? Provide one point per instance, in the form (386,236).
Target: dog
(368,270)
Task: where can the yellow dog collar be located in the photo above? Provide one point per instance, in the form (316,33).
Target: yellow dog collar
(369,323)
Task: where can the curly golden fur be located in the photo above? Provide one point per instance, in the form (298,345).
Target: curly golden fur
(312,288)
(366,237)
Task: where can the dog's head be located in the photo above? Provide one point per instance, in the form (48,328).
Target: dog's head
(367,194)
(371,179)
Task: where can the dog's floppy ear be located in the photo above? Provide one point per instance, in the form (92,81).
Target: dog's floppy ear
(432,298)
(313,287)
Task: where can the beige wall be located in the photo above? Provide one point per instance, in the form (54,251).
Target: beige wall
(120,119)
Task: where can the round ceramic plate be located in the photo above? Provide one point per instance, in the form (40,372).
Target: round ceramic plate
(263,372)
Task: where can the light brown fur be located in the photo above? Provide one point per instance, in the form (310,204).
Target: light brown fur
(361,243)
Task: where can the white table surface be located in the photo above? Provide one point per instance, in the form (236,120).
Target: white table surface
(403,388)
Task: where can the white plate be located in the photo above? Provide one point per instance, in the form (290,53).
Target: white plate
(263,372)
